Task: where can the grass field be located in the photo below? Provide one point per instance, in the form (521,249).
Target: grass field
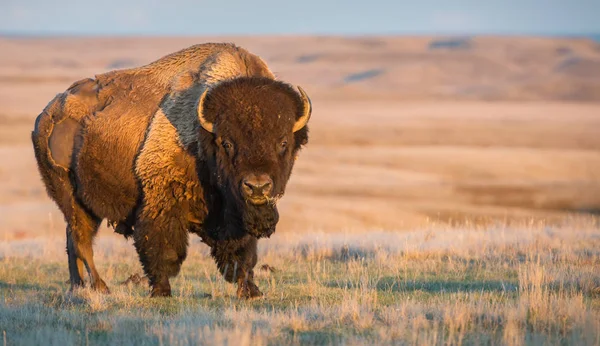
(502,284)
(446,196)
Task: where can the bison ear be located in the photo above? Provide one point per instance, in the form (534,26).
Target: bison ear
(307,106)
(207,125)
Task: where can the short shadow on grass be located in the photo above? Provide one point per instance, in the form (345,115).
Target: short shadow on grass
(391,284)
(342,253)
(201,295)
(316,337)
(22,286)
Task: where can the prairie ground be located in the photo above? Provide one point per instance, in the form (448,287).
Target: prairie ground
(528,283)
(449,194)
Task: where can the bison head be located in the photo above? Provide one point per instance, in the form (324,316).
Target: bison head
(256,126)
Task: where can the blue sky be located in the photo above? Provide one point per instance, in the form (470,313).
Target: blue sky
(225,17)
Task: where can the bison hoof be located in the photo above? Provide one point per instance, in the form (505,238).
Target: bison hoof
(160,292)
(248,290)
(100,286)
(75,284)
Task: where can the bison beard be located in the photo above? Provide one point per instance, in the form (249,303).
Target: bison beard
(257,220)
(260,220)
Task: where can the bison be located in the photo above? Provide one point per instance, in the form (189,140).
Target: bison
(200,141)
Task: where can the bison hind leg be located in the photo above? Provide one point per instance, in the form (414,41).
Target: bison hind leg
(81,230)
(53,144)
(75,263)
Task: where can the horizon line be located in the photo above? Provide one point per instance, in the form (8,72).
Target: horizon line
(16,34)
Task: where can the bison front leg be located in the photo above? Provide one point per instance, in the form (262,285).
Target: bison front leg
(236,260)
(162,247)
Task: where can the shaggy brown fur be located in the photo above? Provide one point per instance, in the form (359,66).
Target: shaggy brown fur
(128,146)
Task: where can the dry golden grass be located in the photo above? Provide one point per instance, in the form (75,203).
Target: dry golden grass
(420,213)
(523,284)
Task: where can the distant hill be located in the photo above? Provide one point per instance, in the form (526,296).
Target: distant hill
(595,37)
(398,67)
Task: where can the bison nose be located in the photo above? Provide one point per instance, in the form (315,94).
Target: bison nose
(257,186)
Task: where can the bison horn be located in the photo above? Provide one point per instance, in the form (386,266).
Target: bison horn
(300,123)
(207,125)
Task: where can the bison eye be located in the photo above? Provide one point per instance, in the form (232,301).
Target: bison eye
(227,146)
(282,147)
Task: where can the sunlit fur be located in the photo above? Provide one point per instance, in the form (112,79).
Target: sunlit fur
(141,160)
